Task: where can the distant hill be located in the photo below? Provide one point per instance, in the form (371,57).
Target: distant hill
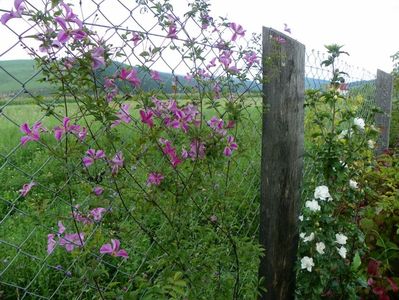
(16,74)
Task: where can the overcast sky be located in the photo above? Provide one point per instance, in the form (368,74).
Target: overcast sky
(367,28)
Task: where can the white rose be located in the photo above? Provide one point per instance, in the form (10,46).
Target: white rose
(341,238)
(300,218)
(359,122)
(308,238)
(321,192)
(353,184)
(313,205)
(320,247)
(371,144)
(342,251)
(307,263)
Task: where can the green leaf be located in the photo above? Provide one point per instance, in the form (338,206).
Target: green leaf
(356,262)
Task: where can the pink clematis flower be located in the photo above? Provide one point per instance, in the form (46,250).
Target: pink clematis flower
(114,249)
(136,38)
(97,57)
(154,178)
(19,8)
(217,125)
(51,242)
(72,240)
(146,117)
(170,152)
(116,163)
(130,76)
(92,155)
(26,188)
(31,134)
(98,190)
(251,58)
(231,146)
(65,23)
(66,127)
(155,75)
(172,31)
(197,150)
(97,213)
(238,30)
(123,115)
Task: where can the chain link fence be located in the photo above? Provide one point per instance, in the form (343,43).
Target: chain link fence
(200,235)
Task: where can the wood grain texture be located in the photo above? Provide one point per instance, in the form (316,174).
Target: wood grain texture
(384,85)
(282,161)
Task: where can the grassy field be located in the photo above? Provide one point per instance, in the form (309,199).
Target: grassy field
(25,222)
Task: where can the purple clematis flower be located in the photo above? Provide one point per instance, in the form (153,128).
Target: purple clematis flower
(155,75)
(92,155)
(98,190)
(26,188)
(114,249)
(123,115)
(97,57)
(231,146)
(170,152)
(225,58)
(146,117)
(238,30)
(51,242)
(197,150)
(117,162)
(136,38)
(72,240)
(31,134)
(66,127)
(217,125)
(251,58)
(97,213)
(172,32)
(19,8)
(130,76)
(154,178)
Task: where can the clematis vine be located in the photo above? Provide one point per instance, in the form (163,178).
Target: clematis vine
(114,249)
(91,156)
(32,134)
(26,188)
(19,8)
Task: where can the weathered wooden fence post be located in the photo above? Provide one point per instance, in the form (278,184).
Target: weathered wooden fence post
(282,161)
(384,85)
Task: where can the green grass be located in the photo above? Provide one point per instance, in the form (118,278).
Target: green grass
(27,221)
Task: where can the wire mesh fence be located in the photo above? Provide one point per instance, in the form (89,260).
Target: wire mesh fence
(196,229)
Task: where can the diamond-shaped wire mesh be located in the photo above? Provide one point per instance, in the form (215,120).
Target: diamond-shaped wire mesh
(202,242)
